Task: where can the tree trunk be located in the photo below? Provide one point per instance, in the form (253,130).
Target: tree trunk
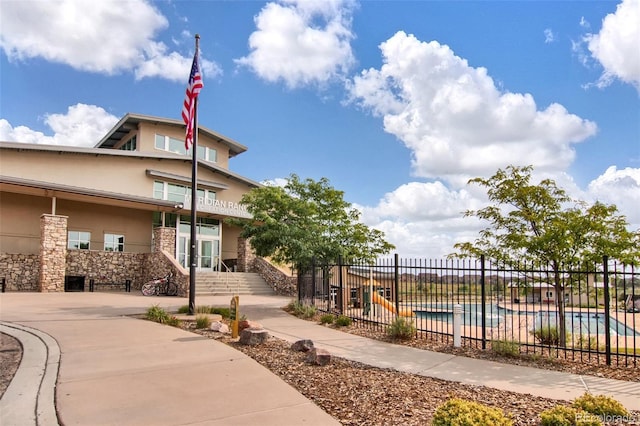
(559,288)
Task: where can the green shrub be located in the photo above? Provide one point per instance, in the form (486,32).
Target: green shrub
(547,335)
(401,328)
(157,314)
(600,405)
(173,321)
(292,306)
(301,310)
(468,413)
(204,309)
(223,312)
(327,319)
(590,343)
(203,321)
(560,415)
(343,321)
(508,348)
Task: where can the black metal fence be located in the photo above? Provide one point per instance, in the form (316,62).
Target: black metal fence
(524,307)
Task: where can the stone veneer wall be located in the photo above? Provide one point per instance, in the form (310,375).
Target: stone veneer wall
(281,283)
(160,264)
(23,272)
(107,266)
(20,271)
(164,239)
(53,250)
(246,256)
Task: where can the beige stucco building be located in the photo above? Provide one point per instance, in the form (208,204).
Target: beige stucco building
(91,212)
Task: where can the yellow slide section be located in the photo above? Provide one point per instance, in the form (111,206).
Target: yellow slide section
(376,298)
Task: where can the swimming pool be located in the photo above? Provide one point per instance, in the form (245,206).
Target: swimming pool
(471,313)
(580,323)
(585,323)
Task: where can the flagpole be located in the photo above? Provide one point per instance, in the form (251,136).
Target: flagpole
(193,252)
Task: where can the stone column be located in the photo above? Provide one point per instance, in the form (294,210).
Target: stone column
(246,256)
(164,239)
(53,253)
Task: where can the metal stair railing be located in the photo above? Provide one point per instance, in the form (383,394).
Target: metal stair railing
(227,272)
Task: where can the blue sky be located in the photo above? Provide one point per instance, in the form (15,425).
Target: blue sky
(397,103)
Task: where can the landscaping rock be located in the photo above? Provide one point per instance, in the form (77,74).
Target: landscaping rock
(253,337)
(318,356)
(244,324)
(220,327)
(304,345)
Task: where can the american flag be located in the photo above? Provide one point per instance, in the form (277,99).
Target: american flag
(188,108)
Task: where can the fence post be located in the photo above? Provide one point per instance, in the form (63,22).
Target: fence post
(457,325)
(483,297)
(607,309)
(396,279)
(340,286)
(313,281)
(3,281)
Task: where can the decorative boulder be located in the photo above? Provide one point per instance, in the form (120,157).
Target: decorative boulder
(220,327)
(304,345)
(318,356)
(253,337)
(244,324)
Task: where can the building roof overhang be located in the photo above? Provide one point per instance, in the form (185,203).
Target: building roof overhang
(131,154)
(131,121)
(67,192)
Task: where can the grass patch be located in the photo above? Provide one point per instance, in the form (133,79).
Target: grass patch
(203,321)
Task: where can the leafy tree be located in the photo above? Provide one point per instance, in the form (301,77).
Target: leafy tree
(307,219)
(542,224)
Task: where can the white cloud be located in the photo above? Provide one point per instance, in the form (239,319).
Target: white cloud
(301,42)
(172,66)
(549,37)
(616,46)
(425,220)
(584,23)
(108,37)
(622,188)
(82,125)
(456,121)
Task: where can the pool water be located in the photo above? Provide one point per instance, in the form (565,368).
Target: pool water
(585,323)
(580,322)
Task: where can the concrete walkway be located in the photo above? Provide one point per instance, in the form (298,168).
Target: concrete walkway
(114,369)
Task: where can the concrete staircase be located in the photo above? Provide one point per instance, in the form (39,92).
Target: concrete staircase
(231,283)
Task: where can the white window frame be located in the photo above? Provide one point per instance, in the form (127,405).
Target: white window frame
(164,142)
(78,240)
(112,242)
(206,193)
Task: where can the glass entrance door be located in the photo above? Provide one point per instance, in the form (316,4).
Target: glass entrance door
(208,244)
(208,253)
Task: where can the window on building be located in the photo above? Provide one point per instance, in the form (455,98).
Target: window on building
(113,242)
(78,240)
(175,192)
(208,154)
(129,145)
(169,220)
(167,143)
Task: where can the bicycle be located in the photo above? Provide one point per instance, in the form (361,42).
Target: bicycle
(160,287)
